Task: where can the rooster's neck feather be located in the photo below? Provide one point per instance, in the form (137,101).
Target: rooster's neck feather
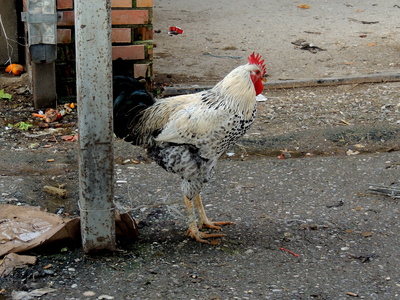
(236,91)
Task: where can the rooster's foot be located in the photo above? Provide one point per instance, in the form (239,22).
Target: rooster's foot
(201,236)
(213,225)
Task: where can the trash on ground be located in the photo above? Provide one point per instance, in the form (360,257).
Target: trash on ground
(26,227)
(364,258)
(175,30)
(391,191)
(304,6)
(21,295)
(261,98)
(352,152)
(288,251)
(304,45)
(13,261)
(363,22)
(4,95)
(52,115)
(15,69)
(70,138)
(21,125)
(55,191)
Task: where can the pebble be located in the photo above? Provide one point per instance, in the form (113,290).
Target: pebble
(74,286)
(105,297)
(89,294)
(250,251)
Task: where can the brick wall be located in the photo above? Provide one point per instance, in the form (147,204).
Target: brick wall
(132,35)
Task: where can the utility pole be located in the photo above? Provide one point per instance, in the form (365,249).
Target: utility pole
(94,93)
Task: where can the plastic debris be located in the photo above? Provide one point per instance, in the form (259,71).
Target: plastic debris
(175,30)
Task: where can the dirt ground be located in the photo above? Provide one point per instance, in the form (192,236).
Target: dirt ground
(306,226)
(357,37)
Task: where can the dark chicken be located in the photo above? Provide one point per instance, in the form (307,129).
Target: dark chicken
(187,134)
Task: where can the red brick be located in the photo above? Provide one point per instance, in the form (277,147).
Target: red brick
(127,17)
(143,34)
(121,35)
(144,3)
(63,36)
(140,70)
(128,52)
(121,3)
(68,19)
(65,4)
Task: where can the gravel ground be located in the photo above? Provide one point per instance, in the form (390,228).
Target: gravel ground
(306,227)
(316,203)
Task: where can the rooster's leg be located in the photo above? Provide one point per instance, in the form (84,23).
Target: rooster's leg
(193,231)
(204,221)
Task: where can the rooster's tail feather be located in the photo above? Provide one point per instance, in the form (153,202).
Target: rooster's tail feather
(130,100)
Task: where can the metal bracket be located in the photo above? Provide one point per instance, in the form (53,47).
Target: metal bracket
(41,17)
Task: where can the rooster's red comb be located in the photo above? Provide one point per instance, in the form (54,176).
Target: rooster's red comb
(256,59)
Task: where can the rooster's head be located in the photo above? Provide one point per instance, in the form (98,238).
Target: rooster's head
(257,71)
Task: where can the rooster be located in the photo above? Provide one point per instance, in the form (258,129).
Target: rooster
(187,134)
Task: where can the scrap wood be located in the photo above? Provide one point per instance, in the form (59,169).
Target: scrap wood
(391,191)
(55,191)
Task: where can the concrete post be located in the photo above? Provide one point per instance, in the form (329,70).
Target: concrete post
(94,97)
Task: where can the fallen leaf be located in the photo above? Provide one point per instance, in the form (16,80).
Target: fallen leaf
(367,234)
(4,95)
(304,6)
(371,44)
(70,138)
(50,160)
